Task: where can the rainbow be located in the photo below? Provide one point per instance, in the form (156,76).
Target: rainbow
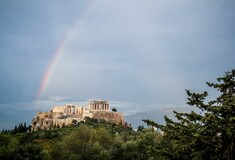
(61,50)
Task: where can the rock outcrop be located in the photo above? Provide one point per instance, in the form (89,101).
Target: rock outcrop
(111,117)
(48,120)
(70,114)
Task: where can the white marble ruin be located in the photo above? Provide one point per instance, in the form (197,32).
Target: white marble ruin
(83,111)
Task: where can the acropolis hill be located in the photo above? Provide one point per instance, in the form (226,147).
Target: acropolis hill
(70,114)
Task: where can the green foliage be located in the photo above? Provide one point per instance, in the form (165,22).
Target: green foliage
(140,128)
(210,135)
(86,143)
(139,146)
(88,140)
(8,147)
(22,128)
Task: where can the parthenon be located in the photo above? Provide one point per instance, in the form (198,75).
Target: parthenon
(99,105)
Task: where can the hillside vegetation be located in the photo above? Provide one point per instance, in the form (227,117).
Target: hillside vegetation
(198,136)
(90,140)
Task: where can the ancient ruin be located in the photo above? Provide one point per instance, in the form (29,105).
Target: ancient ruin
(70,114)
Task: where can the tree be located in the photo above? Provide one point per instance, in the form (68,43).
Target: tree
(8,147)
(209,135)
(15,130)
(140,128)
(139,146)
(86,143)
(114,110)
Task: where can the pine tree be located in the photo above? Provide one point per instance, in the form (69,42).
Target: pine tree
(25,127)
(140,128)
(209,135)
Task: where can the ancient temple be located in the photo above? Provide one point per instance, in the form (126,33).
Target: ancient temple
(99,105)
(84,111)
(71,114)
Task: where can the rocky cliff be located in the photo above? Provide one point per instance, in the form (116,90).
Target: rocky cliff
(47,120)
(110,117)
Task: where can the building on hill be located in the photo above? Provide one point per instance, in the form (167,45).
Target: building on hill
(71,114)
(68,109)
(84,111)
(99,105)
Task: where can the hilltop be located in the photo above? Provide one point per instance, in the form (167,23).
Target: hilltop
(70,114)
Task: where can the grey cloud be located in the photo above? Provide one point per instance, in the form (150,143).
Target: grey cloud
(142,55)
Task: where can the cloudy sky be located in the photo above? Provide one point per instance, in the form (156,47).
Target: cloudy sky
(140,55)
